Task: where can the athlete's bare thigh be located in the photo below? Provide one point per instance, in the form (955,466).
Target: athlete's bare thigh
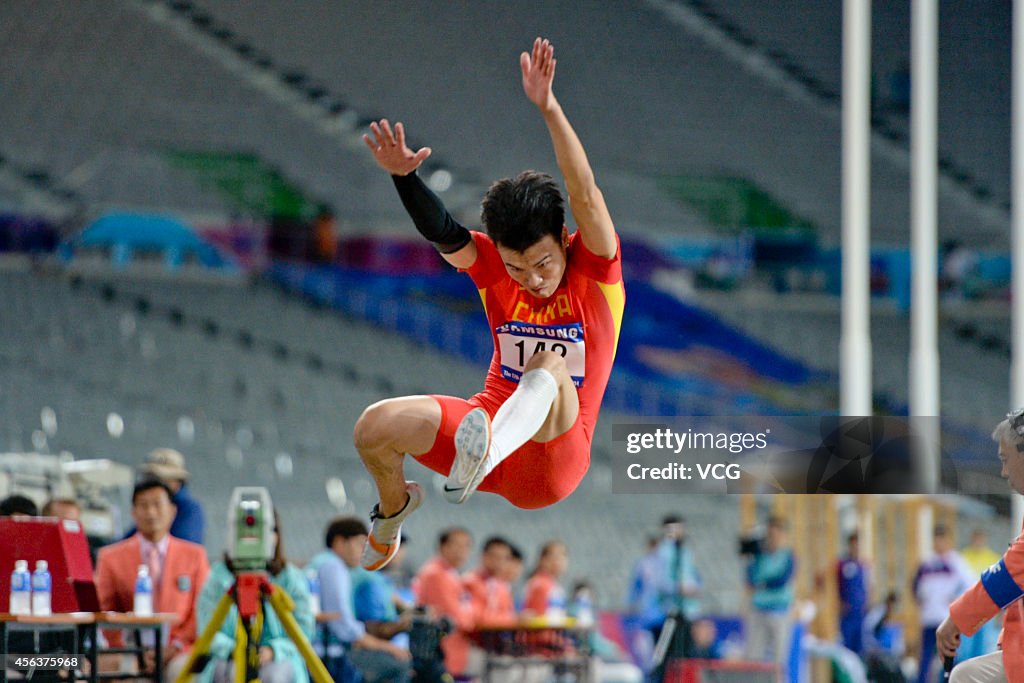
(407,424)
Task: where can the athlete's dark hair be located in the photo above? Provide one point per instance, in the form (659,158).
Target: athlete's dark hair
(518,212)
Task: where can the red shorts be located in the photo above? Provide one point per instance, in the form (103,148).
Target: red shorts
(534,476)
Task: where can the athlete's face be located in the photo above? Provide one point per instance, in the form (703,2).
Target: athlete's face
(539,269)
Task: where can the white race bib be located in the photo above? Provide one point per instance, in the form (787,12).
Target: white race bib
(517,342)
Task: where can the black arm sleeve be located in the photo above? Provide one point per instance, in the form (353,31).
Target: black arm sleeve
(428,213)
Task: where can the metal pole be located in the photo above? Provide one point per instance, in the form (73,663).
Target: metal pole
(855,340)
(924,347)
(1017,230)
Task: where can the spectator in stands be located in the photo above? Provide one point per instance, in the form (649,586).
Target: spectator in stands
(178,569)
(18,506)
(325,236)
(545,597)
(704,640)
(853,580)
(770,573)
(69,509)
(513,574)
(679,582)
(63,508)
(377,604)
(883,641)
(979,557)
(280,658)
(610,663)
(999,588)
(514,566)
(644,601)
(942,576)
(439,586)
(376,658)
(489,592)
(168,465)
(645,614)
(399,573)
(958,276)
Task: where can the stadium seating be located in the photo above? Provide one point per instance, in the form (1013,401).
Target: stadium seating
(974,384)
(145,349)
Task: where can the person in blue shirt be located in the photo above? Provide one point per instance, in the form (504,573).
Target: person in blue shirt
(168,465)
(644,595)
(679,584)
(376,658)
(883,641)
(853,579)
(770,574)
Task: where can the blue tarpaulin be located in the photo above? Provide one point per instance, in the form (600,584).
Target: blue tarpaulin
(127,233)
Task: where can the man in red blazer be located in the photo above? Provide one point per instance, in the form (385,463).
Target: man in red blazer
(178,569)
(1000,587)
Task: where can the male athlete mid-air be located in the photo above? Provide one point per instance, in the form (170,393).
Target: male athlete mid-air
(554,303)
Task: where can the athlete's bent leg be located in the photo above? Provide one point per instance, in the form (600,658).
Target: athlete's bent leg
(563,409)
(385,432)
(544,406)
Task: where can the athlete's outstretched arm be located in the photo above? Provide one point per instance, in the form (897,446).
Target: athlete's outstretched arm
(585,198)
(426,209)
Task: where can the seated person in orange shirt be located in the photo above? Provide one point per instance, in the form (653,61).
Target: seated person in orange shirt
(490,593)
(439,587)
(178,569)
(545,597)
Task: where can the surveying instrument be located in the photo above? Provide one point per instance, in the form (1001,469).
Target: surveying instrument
(250,547)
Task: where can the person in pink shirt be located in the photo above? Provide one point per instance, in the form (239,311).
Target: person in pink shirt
(490,593)
(439,586)
(545,597)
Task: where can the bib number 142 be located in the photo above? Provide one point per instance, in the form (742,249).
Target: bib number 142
(519,342)
(556,347)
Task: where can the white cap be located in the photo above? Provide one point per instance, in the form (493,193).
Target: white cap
(143,570)
(41,566)
(21,565)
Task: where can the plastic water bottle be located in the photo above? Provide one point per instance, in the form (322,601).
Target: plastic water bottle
(556,613)
(42,585)
(21,589)
(314,592)
(584,609)
(142,605)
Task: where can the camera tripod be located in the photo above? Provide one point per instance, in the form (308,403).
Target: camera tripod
(247,593)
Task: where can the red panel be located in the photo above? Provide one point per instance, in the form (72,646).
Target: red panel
(61,543)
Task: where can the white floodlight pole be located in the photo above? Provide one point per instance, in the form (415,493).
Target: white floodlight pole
(924,347)
(1017,229)
(855,339)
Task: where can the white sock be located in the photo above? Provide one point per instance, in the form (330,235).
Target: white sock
(522,415)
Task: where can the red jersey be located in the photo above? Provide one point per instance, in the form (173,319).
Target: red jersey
(581,321)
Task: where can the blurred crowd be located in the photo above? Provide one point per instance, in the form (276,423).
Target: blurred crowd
(432,622)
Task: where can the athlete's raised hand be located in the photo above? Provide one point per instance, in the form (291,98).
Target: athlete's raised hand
(390,150)
(539,73)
